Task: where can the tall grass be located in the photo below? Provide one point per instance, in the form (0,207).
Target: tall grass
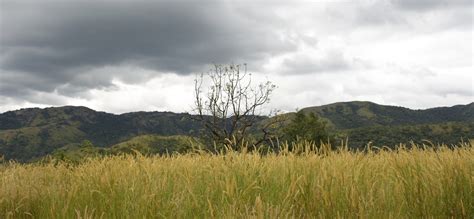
(403,183)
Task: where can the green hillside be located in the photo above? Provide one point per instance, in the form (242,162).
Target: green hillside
(32,133)
(449,133)
(29,134)
(357,114)
(143,144)
(156,144)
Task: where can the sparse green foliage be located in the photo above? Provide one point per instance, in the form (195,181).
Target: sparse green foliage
(87,144)
(306,127)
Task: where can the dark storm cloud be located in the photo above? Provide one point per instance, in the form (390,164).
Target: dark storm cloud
(49,44)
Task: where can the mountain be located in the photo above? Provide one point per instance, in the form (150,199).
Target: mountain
(34,132)
(31,133)
(358,114)
(449,133)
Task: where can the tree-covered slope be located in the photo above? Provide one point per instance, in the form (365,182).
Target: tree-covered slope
(449,133)
(156,144)
(144,144)
(357,114)
(32,133)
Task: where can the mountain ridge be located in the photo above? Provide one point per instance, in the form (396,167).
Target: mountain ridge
(471,104)
(356,114)
(35,132)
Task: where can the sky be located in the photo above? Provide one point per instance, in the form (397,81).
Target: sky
(134,55)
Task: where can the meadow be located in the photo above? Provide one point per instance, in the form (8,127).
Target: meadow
(305,183)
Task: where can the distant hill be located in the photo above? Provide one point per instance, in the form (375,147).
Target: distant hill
(155,144)
(34,132)
(27,134)
(144,144)
(358,114)
(449,133)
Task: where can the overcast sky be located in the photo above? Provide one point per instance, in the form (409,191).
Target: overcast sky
(132,55)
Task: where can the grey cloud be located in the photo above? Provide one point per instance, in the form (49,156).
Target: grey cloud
(331,61)
(421,5)
(407,14)
(55,42)
(378,13)
(50,49)
(461,91)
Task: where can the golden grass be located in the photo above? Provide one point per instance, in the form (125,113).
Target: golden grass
(403,183)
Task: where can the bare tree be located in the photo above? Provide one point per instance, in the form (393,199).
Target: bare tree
(231,105)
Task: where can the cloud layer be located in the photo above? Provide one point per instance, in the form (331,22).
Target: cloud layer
(54,42)
(86,52)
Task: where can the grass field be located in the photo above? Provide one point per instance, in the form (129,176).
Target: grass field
(404,183)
